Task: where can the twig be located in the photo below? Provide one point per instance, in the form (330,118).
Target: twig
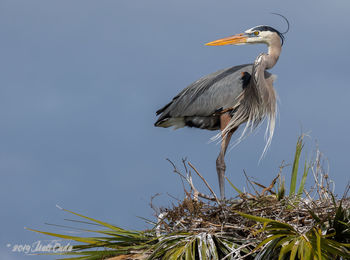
(188,179)
(251,184)
(173,197)
(184,163)
(238,250)
(151,203)
(206,183)
(270,187)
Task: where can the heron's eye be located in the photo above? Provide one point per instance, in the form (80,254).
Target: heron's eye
(256,33)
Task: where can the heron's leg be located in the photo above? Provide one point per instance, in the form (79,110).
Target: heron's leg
(220,161)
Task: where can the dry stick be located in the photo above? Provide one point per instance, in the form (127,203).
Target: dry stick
(196,193)
(251,184)
(175,169)
(259,185)
(184,163)
(206,183)
(265,189)
(189,181)
(173,197)
(186,171)
(270,187)
(156,210)
(238,250)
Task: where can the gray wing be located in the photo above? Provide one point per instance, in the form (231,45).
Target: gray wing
(218,90)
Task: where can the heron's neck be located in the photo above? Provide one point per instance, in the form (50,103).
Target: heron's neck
(273,54)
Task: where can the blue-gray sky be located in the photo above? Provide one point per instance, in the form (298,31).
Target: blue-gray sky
(81,81)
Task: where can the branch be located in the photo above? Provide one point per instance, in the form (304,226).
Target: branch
(188,179)
(206,183)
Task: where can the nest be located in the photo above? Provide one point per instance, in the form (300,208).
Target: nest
(202,216)
(199,213)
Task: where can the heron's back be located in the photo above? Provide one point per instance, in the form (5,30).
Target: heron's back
(196,105)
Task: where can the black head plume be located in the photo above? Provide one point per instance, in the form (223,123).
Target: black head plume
(285,20)
(283,33)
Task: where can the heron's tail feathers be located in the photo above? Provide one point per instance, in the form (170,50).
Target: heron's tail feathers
(176,122)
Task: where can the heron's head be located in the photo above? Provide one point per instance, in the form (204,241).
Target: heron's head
(258,34)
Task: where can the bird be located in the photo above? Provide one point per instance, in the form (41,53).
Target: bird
(230,97)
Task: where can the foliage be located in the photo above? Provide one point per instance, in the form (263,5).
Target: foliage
(285,241)
(263,224)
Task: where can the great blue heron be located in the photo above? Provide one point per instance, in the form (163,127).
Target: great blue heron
(225,99)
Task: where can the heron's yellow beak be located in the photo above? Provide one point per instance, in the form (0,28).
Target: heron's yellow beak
(235,39)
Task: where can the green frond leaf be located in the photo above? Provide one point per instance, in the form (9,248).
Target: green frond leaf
(295,168)
(233,186)
(120,230)
(88,240)
(303,179)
